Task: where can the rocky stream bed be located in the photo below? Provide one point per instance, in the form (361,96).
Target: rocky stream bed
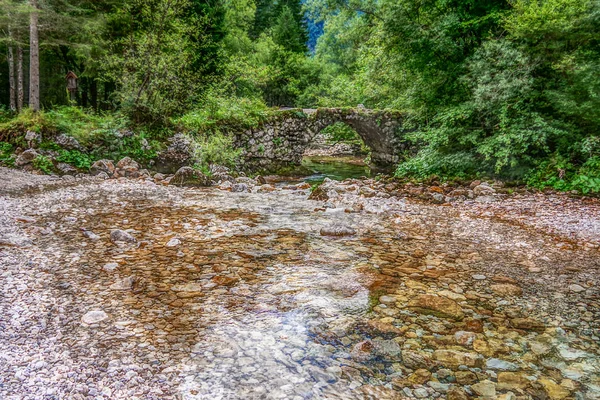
(134,289)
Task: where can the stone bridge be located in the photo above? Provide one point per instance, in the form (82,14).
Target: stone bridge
(283,139)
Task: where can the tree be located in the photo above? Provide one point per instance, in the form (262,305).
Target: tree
(288,33)
(34,58)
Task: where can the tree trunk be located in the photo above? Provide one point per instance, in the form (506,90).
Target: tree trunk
(11,78)
(94,93)
(20,90)
(34,59)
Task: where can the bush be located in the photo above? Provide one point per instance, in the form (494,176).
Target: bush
(73,121)
(218,112)
(561,174)
(44,164)
(216,148)
(76,158)
(6,154)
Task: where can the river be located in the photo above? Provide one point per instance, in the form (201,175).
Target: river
(240,296)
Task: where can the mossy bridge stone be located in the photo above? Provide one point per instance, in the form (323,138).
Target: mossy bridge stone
(283,138)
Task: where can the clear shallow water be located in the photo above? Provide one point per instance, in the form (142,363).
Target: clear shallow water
(335,168)
(254,303)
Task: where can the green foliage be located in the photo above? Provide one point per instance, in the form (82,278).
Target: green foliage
(44,164)
(72,121)
(170,51)
(561,174)
(343,133)
(6,154)
(76,158)
(216,148)
(219,112)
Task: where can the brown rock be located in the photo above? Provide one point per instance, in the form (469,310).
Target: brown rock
(456,393)
(527,324)
(438,306)
(224,280)
(419,377)
(319,194)
(362,351)
(415,360)
(507,289)
(465,377)
(512,380)
(454,358)
(553,389)
(383,327)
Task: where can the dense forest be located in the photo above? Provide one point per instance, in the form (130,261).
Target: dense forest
(507,89)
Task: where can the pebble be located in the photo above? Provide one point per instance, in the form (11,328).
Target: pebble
(94,317)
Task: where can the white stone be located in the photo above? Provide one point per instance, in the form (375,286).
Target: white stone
(93,317)
(576,288)
(173,242)
(110,266)
(497,364)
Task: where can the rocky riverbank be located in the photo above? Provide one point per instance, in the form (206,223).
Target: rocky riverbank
(134,287)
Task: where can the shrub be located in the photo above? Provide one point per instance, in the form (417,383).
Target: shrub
(6,154)
(216,148)
(218,112)
(44,164)
(75,158)
(561,174)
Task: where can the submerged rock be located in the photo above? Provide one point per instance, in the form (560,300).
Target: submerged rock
(338,230)
(436,305)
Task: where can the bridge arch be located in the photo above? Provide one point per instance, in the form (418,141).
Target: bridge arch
(282,140)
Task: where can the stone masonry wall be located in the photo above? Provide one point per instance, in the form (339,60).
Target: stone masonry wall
(283,139)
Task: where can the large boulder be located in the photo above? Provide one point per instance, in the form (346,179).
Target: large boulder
(179,153)
(26,157)
(128,168)
(68,142)
(105,166)
(188,176)
(484,189)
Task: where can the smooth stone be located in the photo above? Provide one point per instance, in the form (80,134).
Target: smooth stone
(93,317)
(501,365)
(119,235)
(110,266)
(436,305)
(173,242)
(485,388)
(576,288)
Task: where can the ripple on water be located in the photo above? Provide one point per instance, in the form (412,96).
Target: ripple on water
(251,302)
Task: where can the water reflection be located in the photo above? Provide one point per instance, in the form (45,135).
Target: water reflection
(336,168)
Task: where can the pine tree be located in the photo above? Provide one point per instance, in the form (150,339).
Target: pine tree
(288,33)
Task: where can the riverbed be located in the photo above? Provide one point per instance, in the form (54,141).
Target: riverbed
(223,295)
